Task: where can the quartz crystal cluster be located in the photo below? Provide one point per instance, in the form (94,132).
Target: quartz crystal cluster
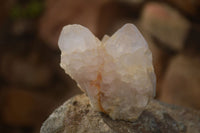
(116,73)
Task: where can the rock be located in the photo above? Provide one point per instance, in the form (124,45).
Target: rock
(21,108)
(5,8)
(81,12)
(115,14)
(181,82)
(119,69)
(165,25)
(26,71)
(134,2)
(192,41)
(22,27)
(161,59)
(76,115)
(190,7)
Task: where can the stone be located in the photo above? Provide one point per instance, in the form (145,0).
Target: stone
(82,12)
(181,82)
(166,25)
(161,59)
(189,7)
(5,7)
(25,71)
(192,41)
(77,116)
(116,74)
(23,108)
(134,2)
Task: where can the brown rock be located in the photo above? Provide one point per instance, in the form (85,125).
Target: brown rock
(5,7)
(76,115)
(65,12)
(190,7)
(192,41)
(23,108)
(181,84)
(134,2)
(161,60)
(25,71)
(165,25)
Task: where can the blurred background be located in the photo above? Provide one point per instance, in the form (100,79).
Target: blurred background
(32,84)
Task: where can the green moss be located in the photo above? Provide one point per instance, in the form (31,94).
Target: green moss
(31,10)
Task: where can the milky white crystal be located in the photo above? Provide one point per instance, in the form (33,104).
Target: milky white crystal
(116,73)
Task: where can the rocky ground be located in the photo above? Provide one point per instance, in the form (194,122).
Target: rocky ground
(31,82)
(77,116)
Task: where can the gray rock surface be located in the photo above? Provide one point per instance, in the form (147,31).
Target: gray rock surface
(77,116)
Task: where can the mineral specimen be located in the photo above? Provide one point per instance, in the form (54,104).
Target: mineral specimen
(116,73)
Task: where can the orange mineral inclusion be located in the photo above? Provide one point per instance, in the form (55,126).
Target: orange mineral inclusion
(96,83)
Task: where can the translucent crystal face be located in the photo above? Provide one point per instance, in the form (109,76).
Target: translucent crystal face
(116,73)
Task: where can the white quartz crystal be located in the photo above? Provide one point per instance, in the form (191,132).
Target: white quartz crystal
(116,73)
